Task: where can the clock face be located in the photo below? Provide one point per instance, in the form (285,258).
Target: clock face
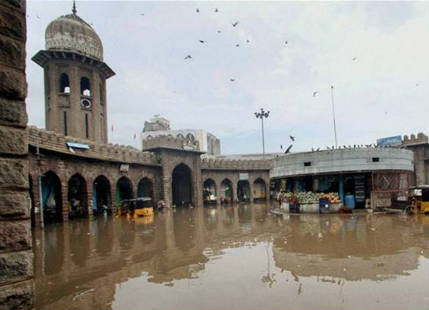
(85,103)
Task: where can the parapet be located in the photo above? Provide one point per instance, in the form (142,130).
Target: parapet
(53,141)
(235,164)
(421,138)
(170,142)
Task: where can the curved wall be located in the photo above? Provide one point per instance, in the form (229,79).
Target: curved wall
(342,160)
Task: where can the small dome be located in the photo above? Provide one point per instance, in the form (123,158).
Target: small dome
(72,33)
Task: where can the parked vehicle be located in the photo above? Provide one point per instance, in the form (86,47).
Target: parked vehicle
(142,206)
(419,197)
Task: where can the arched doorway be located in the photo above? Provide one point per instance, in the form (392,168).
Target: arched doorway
(209,191)
(101,196)
(226,191)
(243,191)
(259,189)
(145,188)
(51,200)
(124,190)
(182,185)
(77,196)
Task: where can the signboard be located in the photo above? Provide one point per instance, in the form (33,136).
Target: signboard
(244,176)
(390,141)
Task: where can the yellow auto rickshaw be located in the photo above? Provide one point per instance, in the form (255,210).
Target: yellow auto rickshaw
(419,197)
(143,206)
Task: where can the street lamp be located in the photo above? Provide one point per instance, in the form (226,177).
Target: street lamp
(263,114)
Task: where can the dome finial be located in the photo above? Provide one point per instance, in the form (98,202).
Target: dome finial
(74,7)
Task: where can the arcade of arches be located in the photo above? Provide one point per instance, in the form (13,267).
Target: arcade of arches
(76,187)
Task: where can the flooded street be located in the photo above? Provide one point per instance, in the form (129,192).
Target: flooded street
(237,257)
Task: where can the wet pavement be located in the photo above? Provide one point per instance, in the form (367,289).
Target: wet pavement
(239,257)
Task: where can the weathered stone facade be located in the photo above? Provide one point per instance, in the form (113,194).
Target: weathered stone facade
(49,154)
(420,146)
(16,257)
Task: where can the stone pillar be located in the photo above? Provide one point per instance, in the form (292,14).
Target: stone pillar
(251,183)
(89,192)
(65,199)
(234,189)
(16,257)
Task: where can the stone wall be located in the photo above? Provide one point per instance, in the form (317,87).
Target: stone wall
(16,258)
(66,166)
(420,147)
(170,142)
(57,142)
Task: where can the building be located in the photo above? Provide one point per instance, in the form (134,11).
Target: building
(370,173)
(158,127)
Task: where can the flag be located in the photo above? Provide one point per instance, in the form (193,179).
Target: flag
(135,136)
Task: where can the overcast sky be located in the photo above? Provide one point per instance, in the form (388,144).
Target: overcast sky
(383,92)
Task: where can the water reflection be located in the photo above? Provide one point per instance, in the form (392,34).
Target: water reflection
(230,257)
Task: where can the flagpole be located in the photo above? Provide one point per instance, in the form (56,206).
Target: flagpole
(333,115)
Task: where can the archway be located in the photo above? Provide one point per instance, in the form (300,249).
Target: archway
(209,191)
(77,196)
(226,191)
(243,191)
(51,200)
(259,189)
(101,196)
(145,188)
(124,190)
(182,185)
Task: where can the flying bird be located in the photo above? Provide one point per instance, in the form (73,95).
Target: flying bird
(202,41)
(247,41)
(232,80)
(286,42)
(38,16)
(354,58)
(315,93)
(288,149)
(142,14)
(281,147)
(237,45)
(216,10)
(197,10)
(292,138)
(188,57)
(219,31)
(234,24)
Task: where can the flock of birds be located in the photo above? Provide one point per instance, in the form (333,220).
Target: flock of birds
(234,25)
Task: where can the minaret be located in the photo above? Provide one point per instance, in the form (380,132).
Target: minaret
(75,79)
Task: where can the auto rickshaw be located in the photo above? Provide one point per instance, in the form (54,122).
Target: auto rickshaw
(419,197)
(143,206)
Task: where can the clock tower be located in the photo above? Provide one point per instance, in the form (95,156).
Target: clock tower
(75,79)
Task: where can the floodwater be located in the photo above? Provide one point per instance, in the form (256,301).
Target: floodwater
(237,257)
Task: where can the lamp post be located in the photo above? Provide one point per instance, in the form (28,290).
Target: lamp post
(262,114)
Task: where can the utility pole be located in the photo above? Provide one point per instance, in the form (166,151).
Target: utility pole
(333,115)
(262,114)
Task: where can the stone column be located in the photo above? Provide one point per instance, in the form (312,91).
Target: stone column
(65,199)
(89,192)
(16,257)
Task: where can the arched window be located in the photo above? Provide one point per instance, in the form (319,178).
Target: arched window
(190,137)
(180,136)
(85,87)
(64,83)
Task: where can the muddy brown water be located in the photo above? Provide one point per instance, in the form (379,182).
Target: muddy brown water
(239,257)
